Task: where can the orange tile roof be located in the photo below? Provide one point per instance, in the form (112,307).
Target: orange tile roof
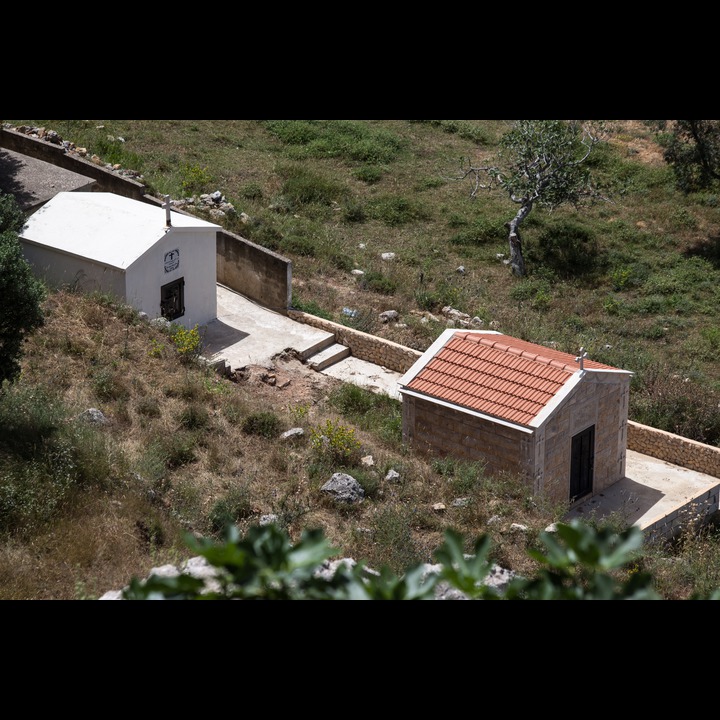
(497,375)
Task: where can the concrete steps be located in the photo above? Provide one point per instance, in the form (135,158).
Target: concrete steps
(327,356)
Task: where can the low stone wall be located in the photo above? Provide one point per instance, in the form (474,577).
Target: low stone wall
(674,449)
(107,180)
(362,345)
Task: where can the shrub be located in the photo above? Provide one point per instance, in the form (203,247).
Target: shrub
(310,307)
(265,424)
(251,191)
(234,506)
(379,283)
(334,442)
(369,174)
(303,187)
(109,384)
(194,417)
(187,342)
(394,210)
(149,407)
(194,179)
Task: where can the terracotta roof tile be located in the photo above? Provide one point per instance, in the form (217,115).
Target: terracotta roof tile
(497,375)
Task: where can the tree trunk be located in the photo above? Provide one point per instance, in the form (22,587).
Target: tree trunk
(517,262)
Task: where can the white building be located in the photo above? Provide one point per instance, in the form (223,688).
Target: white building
(161,262)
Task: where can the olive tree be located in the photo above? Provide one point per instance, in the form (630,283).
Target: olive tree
(22,294)
(692,149)
(541,163)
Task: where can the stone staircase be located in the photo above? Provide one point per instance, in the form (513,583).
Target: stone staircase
(325,353)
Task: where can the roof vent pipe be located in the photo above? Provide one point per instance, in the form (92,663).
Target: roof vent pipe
(167,211)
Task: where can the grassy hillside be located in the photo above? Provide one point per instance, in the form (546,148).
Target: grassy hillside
(634,281)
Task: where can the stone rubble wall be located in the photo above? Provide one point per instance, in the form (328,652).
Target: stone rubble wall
(363,346)
(674,449)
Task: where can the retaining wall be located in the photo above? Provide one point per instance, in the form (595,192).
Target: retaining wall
(674,449)
(362,345)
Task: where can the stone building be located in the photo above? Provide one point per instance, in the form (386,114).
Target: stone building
(558,420)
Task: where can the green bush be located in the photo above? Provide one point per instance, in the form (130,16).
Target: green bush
(264,424)
(393,210)
(579,562)
(354,212)
(194,417)
(251,191)
(303,187)
(378,282)
(369,174)
(349,139)
(109,384)
(236,505)
(334,442)
(310,307)
(194,179)
(568,249)
(482,231)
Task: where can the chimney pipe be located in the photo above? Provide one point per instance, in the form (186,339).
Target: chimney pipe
(167,211)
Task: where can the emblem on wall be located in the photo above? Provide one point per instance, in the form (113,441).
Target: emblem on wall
(172,260)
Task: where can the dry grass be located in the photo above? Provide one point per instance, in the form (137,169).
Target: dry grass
(164,478)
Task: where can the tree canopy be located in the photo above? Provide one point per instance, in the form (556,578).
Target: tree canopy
(22,293)
(692,149)
(540,163)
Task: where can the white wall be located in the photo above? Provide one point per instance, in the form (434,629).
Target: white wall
(197,265)
(58,269)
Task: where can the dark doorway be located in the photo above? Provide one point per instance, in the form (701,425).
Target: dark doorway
(172,299)
(582,463)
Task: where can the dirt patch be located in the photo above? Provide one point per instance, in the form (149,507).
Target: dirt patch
(286,380)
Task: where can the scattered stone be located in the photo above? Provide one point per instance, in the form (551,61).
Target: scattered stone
(499,256)
(293,434)
(389,315)
(94,416)
(367,461)
(268,519)
(494,520)
(439,507)
(460,269)
(344,488)
(388,256)
(328,568)
(461,502)
(392,476)
(518,527)
(358,272)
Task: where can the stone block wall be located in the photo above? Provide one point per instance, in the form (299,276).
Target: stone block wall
(436,430)
(364,346)
(695,513)
(674,449)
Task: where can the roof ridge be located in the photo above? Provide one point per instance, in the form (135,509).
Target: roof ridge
(527,354)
